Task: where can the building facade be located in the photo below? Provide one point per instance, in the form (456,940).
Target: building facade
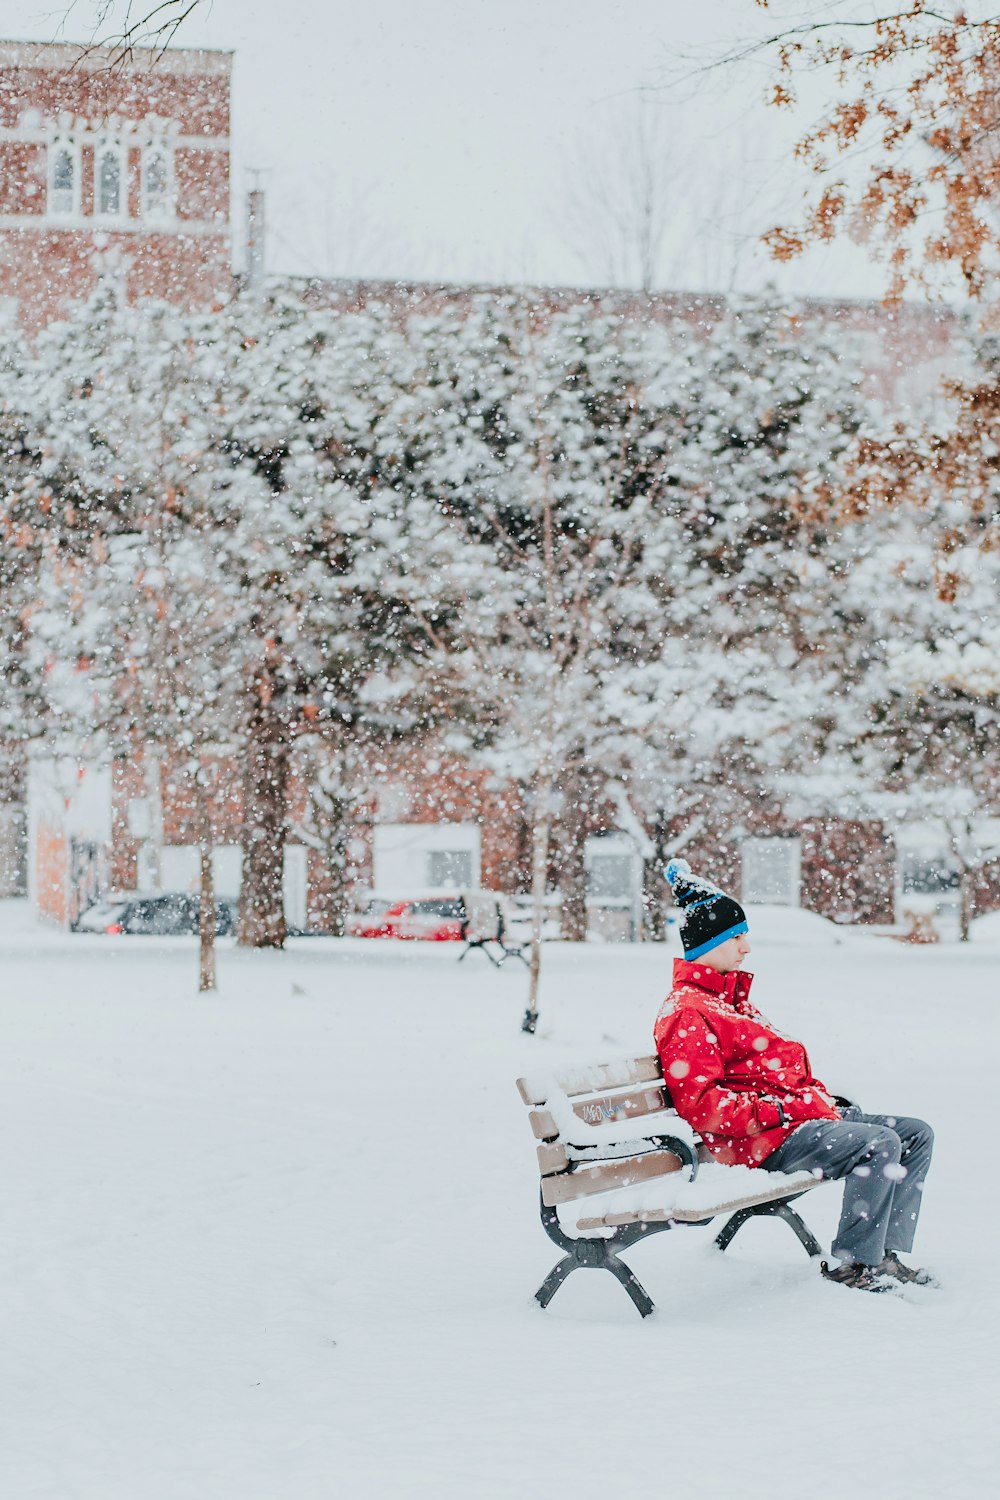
(119,171)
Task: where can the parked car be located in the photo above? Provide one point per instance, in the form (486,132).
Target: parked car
(449,917)
(159,914)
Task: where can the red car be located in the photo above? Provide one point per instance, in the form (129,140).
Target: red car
(461,916)
(436,919)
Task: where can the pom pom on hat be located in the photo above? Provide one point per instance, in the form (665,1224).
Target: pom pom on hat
(676,868)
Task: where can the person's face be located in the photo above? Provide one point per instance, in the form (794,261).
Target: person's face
(728,955)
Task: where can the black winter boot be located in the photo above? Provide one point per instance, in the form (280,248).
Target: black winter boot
(853,1274)
(915,1275)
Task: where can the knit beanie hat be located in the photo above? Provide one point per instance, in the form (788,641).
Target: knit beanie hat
(708,916)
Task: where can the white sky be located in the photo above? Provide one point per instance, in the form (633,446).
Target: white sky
(434,139)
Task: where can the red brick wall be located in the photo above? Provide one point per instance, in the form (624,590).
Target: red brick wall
(87,181)
(22,178)
(133,179)
(51,873)
(188,85)
(848,870)
(49,270)
(127,781)
(986,894)
(202,184)
(180,812)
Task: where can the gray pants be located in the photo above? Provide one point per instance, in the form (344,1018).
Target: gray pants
(884,1159)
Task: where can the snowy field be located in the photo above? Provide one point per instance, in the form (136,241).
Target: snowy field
(281,1243)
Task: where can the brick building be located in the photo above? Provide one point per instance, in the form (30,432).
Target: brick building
(119,171)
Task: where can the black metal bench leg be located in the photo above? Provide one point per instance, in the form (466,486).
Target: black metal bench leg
(731,1227)
(778,1210)
(597,1255)
(799,1228)
(632,1285)
(480,943)
(555,1279)
(606,1262)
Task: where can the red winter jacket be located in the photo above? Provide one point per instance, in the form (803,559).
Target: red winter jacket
(742,1085)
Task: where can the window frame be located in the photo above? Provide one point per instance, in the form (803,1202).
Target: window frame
(102,150)
(55,148)
(791,846)
(168,211)
(450,869)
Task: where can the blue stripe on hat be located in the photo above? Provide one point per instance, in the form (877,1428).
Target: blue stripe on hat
(715,941)
(707,901)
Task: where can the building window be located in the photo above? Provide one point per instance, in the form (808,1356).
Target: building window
(610,877)
(63,178)
(771,871)
(450,867)
(109,183)
(925,874)
(156,194)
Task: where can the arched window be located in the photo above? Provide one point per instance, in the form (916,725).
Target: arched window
(62,178)
(109,182)
(156,194)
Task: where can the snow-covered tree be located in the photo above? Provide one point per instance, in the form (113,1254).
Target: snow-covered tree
(601,556)
(238,587)
(20,689)
(760,589)
(531,477)
(127,624)
(313,542)
(336,776)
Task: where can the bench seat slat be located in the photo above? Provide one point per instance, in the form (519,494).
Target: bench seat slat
(596,1079)
(639,1216)
(586,1181)
(696,1214)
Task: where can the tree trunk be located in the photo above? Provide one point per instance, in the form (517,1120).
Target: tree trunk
(206,919)
(580,789)
(338,811)
(340,904)
(966,904)
(539,880)
(265,784)
(573,886)
(654,885)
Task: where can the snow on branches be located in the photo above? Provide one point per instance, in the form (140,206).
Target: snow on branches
(586,551)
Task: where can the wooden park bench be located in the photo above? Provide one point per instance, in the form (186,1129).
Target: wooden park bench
(610,1133)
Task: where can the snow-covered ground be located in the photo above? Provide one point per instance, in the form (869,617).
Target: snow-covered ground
(280,1243)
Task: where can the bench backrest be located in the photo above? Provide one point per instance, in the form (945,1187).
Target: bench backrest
(484,918)
(568,1112)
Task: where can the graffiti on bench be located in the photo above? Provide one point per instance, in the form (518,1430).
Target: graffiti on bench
(601,1109)
(595,1111)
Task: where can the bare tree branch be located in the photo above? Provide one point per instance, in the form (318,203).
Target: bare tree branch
(123,26)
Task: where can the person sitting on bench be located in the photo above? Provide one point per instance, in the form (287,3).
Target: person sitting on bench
(750,1093)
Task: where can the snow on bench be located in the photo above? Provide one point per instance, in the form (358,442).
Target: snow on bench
(609,1133)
